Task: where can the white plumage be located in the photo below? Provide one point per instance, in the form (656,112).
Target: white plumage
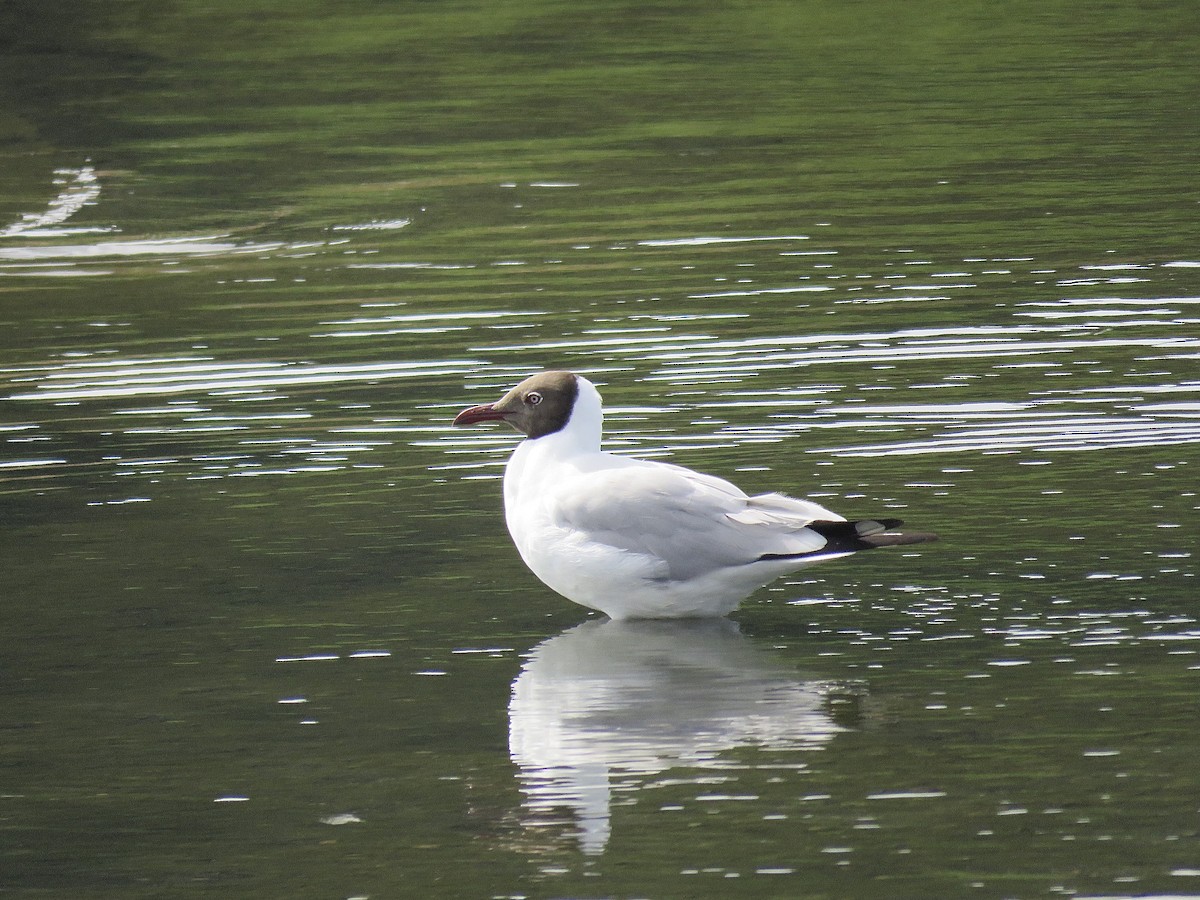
(642,539)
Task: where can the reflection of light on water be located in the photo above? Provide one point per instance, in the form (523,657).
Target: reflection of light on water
(183,246)
(606,706)
(30,463)
(1072,339)
(937,615)
(696,372)
(63,260)
(410,265)
(375,225)
(803,289)
(753,356)
(80,188)
(418,323)
(707,240)
(106,380)
(1057,434)
(230,439)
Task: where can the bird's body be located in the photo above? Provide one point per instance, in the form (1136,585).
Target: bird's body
(644,539)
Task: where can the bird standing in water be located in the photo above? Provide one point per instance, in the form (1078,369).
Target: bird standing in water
(636,538)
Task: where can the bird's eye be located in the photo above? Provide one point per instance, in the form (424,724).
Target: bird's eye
(533,398)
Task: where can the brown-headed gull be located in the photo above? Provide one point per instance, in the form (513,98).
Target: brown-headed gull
(639,539)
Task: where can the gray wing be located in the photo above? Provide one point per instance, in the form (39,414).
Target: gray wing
(688,523)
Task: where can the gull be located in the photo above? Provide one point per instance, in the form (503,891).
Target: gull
(641,539)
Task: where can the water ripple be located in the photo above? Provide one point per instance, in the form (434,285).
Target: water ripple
(80,188)
(107,380)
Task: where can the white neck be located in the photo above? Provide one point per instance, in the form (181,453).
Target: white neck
(585,426)
(580,437)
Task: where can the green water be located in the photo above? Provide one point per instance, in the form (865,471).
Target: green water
(264,633)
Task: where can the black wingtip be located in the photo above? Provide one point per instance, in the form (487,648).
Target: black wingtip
(864,534)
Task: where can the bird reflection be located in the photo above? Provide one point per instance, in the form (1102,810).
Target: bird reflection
(605,704)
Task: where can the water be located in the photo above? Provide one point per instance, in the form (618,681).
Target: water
(264,632)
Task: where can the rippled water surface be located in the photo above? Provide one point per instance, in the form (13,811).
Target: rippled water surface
(265,634)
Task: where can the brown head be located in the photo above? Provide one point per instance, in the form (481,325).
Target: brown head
(539,405)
